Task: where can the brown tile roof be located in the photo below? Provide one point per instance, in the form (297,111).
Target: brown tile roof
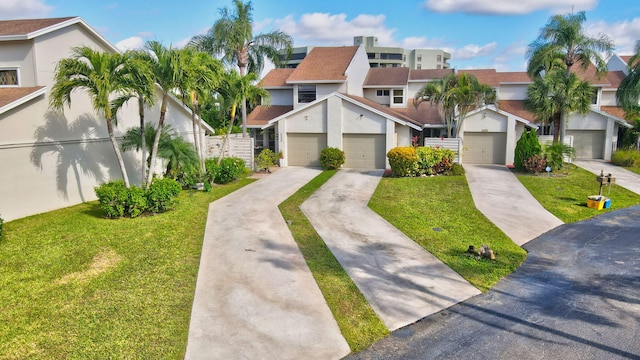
(614,110)
(614,78)
(513,77)
(387,76)
(261,115)
(27,26)
(484,76)
(625,58)
(517,108)
(276,78)
(589,74)
(419,117)
(11,94)
(429,74)
(324,64)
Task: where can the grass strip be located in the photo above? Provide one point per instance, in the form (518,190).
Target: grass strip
(75,285)
(565,196)
(439,214)
(359,324)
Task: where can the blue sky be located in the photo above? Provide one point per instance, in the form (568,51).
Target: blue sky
(478,33)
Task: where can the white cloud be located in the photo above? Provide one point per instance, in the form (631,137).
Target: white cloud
(472,50)
(623,33)
(12,9)
(511,7)
(132,43)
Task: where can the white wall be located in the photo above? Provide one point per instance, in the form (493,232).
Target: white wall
(590,121)
(357,72)
(281,97)
(608,98)
(512,91)
(368,123)
(616,64)
(487,121)
(19,54)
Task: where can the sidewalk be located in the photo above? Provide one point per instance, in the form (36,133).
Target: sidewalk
(255,296)
(625,178)
(402,282)
(500,196)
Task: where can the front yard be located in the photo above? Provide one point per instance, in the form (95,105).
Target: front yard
(76,285)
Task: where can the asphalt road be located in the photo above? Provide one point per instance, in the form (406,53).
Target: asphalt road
(577,296)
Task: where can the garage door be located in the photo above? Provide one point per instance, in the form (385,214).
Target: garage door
(364,151)
(304,149)
(484,148)
(589,144)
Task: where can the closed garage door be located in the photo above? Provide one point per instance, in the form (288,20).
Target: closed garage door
(484,148)
(304,149)
(364,151)
(589,144)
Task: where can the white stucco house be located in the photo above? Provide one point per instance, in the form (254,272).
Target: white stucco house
(55,159)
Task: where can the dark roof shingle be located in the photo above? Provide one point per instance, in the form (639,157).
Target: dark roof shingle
(12,94)
(324,64)
(387,77)
(261,114)
(27,26)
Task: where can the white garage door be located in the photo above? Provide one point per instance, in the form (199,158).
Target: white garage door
(484,148)
(304,149)
(364,151)
(589,144)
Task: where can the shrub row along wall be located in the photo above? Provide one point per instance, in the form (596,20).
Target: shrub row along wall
(447,143)
(237,146)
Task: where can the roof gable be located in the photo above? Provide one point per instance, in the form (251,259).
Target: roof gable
(324,64)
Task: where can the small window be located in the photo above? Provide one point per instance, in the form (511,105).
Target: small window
(8,77)
(419,67)
(306,93)
(594,96)
(398,96)
(439,58)
(382,93)
(419,57)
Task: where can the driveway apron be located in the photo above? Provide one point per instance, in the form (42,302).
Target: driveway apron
(401,281)
(255,296)
(500,196)
(625,178)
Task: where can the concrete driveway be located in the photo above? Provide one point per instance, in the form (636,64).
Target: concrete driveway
(401,281)
(255,296)
(625,178)
(500,196)
(577,296)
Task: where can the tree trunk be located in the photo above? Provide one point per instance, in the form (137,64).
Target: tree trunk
(156,141)
(242,64)
(556,128)
(196,139)
(224,141)
(143,142)
(200,140)
(116,148)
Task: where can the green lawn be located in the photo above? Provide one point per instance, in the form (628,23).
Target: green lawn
(358,323)
(634,169)
(566,196)
(439,214)
(75,285)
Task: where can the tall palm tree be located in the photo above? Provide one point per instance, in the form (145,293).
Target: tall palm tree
(560,45)
(455,96)
(143,89)
(235,89)
(165,66)
(556,93)
(562,41)
(628,93)
(102,76)
(232,38)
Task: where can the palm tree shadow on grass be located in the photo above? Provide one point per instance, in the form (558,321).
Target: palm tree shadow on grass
(72,144)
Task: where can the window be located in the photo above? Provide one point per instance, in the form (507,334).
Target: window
(545,129)
(382,92)
(419,57)
(439,58)
(8,77)
(594,96)
(419,67)
(398,96)
(439,66)
(306,93)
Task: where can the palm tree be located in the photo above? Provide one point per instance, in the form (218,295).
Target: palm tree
(232,37)
(455,96)
(556,93)
(235,89)
(562,40)
(628,93)
(142,140)
(166,69)
(102,76)
(560,45)
(143,88)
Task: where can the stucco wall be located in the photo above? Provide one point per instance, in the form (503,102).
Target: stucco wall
(487,120)
(590,121)
(281,97)
(608,98)
(368,123)
(512,91)
(19,54)
(357,72)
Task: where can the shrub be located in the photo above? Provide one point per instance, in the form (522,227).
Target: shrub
(212,170)
(628,158)
(136,202)
(231,168)
(455,170)
(403,160)
(526,147)
(113,197)
(331,158)
(161,195)
(555,153)
(265,159)
(535,164)
(433,161)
